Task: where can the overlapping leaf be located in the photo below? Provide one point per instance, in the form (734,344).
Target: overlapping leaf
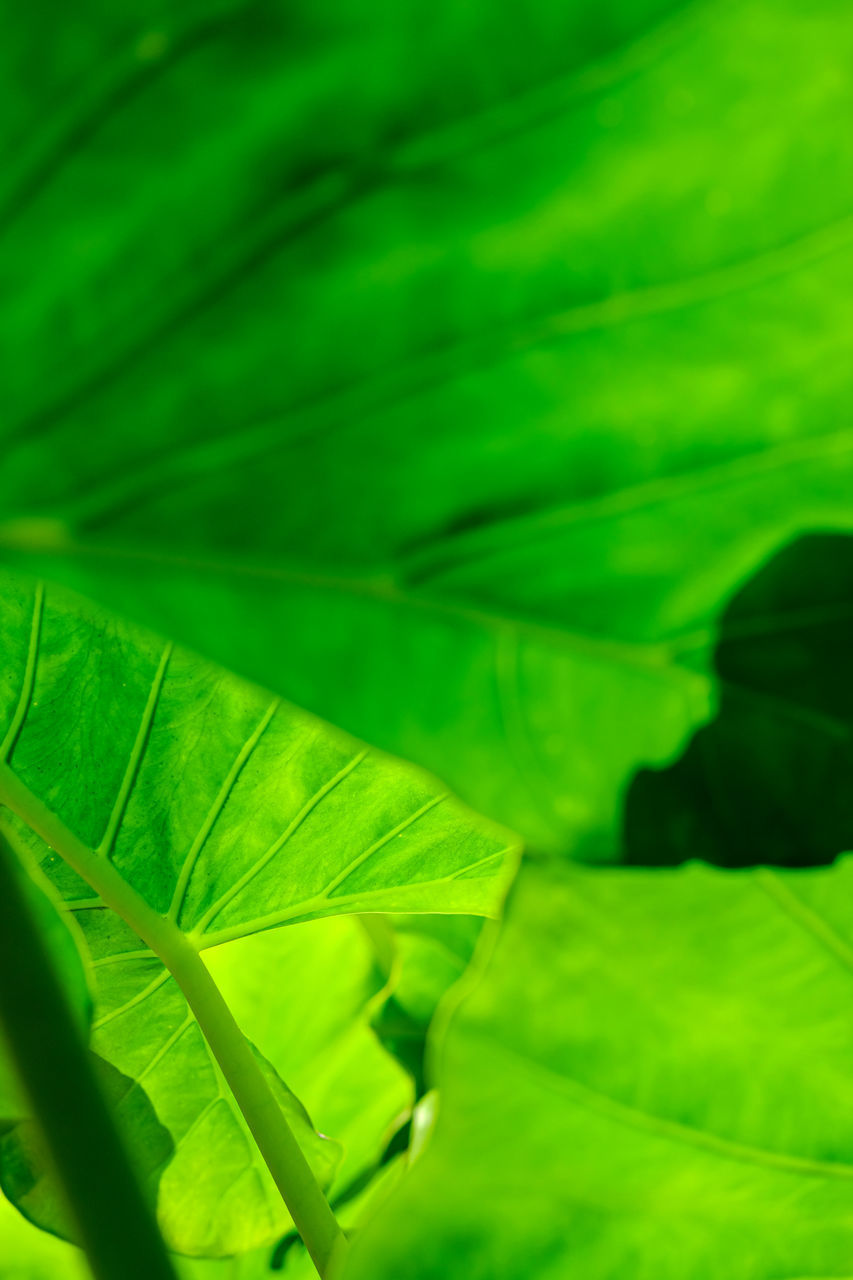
(228,813)
(63,946)
(442,372)
(25,1174)
(313,1023)
(432,953)
(651,1080)
(29,1254)
(446,368)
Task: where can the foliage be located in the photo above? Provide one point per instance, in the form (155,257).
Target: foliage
(475,377)
(171,804)
(654,1110)
(68,958)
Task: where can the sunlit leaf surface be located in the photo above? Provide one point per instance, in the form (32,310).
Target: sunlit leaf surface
(305,996)
(456,371)
(228,812)
(674,1101)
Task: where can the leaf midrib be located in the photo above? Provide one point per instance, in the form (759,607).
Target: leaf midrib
(658,660)
(596,1100)
(820,931)
(40,536)
(650,658)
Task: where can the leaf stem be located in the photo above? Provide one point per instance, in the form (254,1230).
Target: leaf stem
(114,1224)
(291,1172)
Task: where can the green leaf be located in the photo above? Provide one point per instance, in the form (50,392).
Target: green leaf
(446,394)
(205,811)
(29,1254)
(24,1160)
(93,1185)
(64,944)
(432,954)
(354,1214)
(652,1078)
(446,369)
(293,1262)
(316,1031)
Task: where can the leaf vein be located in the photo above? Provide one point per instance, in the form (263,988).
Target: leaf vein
(147,991)
(164,1049)
(105,848)
(25,700)
(592,1099)
(338,188)
(803,915)
(353,866)
(218,805)
(248,876)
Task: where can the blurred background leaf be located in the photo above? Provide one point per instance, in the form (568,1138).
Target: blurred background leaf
(433,952)
(64,945)
(304,996)
(30,1254)
(441,369)
(650,1078)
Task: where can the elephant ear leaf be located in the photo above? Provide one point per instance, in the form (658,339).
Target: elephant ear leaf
(626,1086)
(461,374)
(175,808)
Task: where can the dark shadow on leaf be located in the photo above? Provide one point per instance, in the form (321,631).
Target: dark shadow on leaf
(25,1177)
(770,780)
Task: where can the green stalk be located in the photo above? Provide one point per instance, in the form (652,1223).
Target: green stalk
(291,1172)
(114,1225)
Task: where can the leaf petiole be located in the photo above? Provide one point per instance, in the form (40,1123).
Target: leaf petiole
(282,1154)
(113,1222)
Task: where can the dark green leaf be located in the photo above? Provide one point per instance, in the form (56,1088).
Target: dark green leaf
(23,1160)
(64,945)
(92,1189)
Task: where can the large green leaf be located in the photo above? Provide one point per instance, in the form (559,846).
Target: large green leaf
(441,367)
(652,1080)
(431,955)
(218,812)
(293,1262)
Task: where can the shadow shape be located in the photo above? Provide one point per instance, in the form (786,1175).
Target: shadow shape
(770,780)
(26,1176)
